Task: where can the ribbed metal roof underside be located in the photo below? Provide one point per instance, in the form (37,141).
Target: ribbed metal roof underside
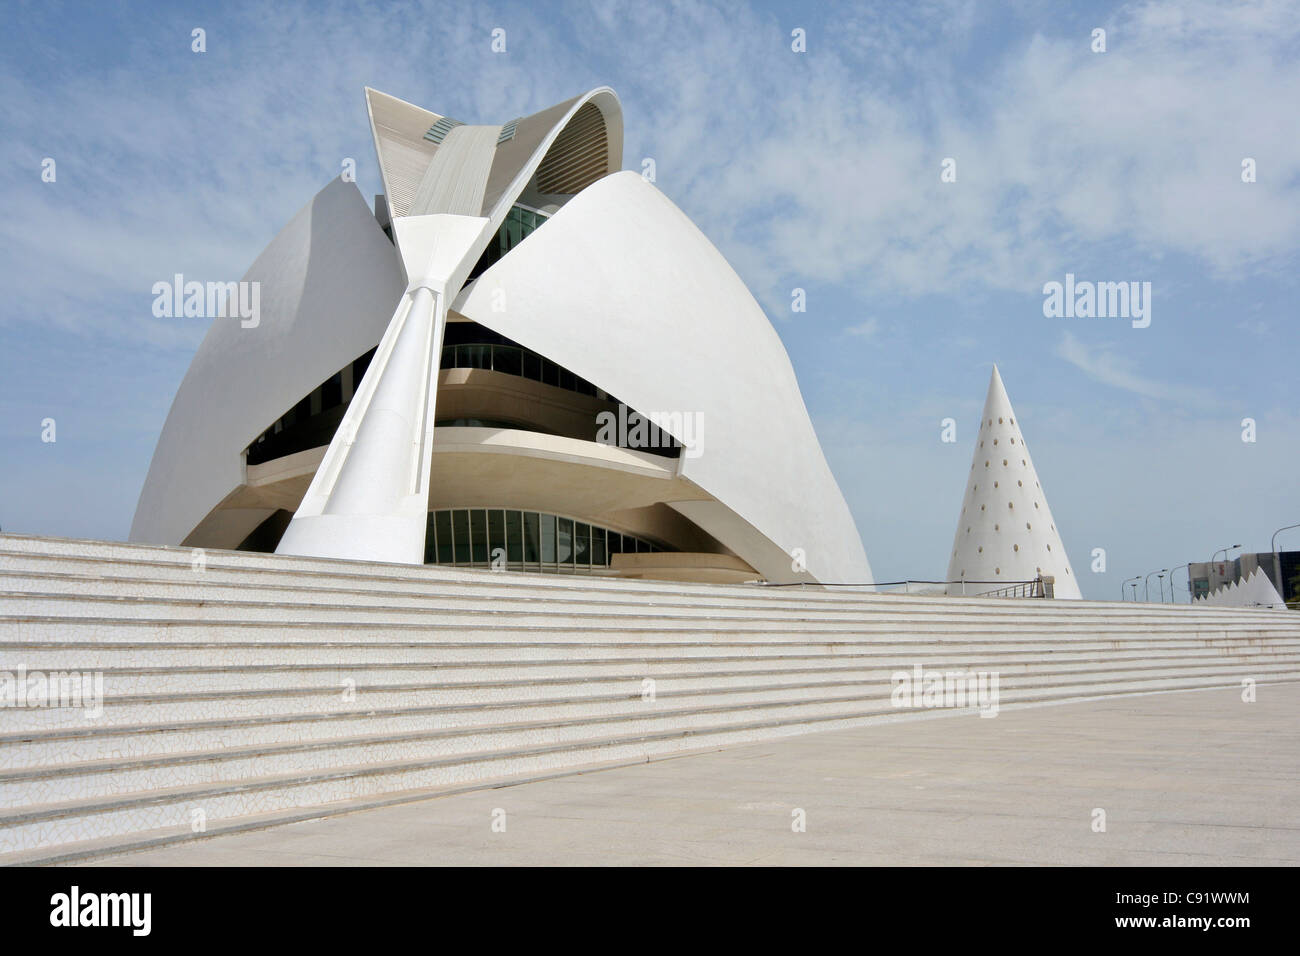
(404,153)
(578,157)
(469,168)
(457,177)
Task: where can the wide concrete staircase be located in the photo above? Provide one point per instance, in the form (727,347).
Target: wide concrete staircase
(245,690)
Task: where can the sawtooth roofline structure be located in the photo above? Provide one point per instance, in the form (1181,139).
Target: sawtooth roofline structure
(435,382)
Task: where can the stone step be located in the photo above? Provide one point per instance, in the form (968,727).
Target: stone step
(34,605)
(115,555)
(87,850)
(298,572)
(217,586)
(266,688)
(129,681)
(203,587)
(293,693)
(50,629)
(105,778)
(31,833)
(74,629)
(95,655)
(95,607)
(51,749)
(102,778)
(92,741)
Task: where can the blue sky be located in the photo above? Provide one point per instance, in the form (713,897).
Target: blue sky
(817,170)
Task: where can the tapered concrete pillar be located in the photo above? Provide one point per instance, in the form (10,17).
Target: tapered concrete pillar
(369,500)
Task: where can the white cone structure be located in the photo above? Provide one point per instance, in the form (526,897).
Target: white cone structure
(1256,591)
(1006,532)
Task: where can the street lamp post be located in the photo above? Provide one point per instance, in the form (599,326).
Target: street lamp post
(1224,551)
(1188,566)
(1146,593)
(1277,559)
(1121,588)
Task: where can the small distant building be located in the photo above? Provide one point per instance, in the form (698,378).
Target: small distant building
(1209,576)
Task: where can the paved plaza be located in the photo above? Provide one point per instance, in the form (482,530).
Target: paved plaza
(1184,778)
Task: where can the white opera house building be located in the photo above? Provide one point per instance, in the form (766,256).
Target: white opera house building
(465,376)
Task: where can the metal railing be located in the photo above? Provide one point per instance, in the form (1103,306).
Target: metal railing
(514,360)
(1042,586)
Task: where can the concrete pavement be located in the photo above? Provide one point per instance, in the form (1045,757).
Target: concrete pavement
(1184,778)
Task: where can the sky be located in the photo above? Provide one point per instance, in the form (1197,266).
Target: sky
(819,170)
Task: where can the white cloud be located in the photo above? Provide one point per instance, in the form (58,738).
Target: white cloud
(191,163)
(826,166)
(803,168)
(1104,366)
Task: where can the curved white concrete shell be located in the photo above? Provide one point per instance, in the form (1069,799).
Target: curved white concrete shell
(370,497)
(1006,532)
(610,284)
(328,284)
(670,313)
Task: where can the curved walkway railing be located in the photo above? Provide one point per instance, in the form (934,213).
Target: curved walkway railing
(1039,587)
(515,360)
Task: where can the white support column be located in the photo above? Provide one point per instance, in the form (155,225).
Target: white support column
(369,499)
